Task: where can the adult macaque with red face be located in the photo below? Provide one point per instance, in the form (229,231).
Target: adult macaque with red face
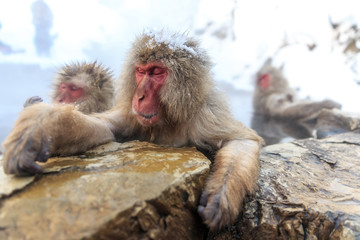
(274,98)
(88,86)
(166,95)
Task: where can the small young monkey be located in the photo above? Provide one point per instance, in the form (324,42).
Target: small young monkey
(89,86)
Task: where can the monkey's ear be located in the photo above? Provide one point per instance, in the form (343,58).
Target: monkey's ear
(268,62)
(281,68)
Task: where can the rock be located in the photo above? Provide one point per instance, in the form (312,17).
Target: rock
(334,121)
(133,190)
(10,184)
(308,189)
(274,130)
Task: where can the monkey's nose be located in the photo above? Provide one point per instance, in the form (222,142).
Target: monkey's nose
(59,100)
(141,97)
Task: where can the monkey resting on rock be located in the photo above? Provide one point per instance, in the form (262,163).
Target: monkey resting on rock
(89,86)
(274,98)
(166,95)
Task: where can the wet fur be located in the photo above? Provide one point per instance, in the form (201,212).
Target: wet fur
(98,83)
(96,80)
(195,114)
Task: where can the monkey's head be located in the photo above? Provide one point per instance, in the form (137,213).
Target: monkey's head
(270,79)
(89,86)
(167,78)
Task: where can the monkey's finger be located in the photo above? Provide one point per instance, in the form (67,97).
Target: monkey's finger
(21,165)
(21,160)
(36,99)
(32,100)
(200,210)
(203,198)
(28,167)
(44,153)
(26,162)
(202,205)
(209,209)
(210,216)
(215,223)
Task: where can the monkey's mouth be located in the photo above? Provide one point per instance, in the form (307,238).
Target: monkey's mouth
(148,116)
(148,119)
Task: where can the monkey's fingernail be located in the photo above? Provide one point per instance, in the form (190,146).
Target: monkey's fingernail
(36,169)
(45,151)
(201,208)
(201,212)
(29,169)
(43,156)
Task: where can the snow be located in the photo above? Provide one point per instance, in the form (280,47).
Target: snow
(175,41)
(238,35)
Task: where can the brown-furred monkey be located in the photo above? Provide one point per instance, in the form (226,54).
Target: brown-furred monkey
(89,86)
(274,98)
(166,95)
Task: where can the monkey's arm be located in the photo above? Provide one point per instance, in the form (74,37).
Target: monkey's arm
(235,169)
(43,130)
(298,109)
(308,109)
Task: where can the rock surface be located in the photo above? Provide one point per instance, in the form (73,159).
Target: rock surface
(308,189)
(132,190)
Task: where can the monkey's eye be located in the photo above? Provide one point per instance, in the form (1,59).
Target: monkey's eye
(63,86)
(158,71)
(139,71)
(73,88)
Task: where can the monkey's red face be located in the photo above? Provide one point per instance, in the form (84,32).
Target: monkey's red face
(264,81)
(69,93)
(150,78)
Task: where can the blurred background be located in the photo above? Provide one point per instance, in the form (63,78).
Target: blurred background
(317,42)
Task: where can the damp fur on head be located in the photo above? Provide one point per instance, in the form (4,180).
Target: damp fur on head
(96,79)
(190,77)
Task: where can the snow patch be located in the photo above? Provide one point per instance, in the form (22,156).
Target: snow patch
(175,41)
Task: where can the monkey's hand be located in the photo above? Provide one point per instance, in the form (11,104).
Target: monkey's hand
(330,104)
(305,110)
(32,100)
(28,142)
(43,130)
(235,173)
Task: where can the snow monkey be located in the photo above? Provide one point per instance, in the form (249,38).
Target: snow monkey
(89,86)
(166,95)
(274,98)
